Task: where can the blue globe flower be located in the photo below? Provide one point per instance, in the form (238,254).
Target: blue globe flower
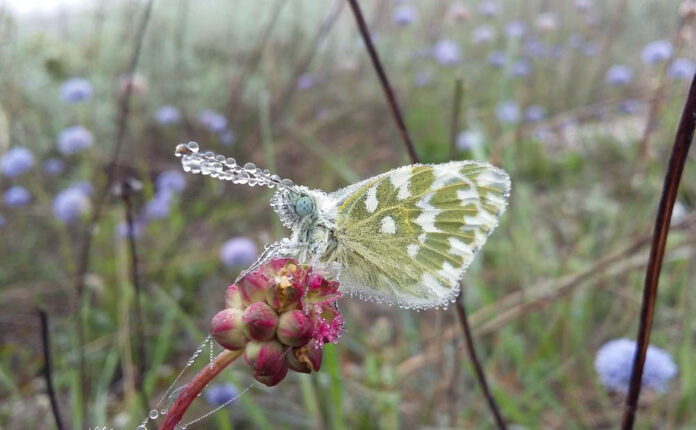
(167,115)
(521,68)
(76,90)
(614,363)
(404,15)
(2,221)
(70,204)
(507,112)
(618,75)
(682,68)
(656,52)
(170,180)
(534,113)
(446,52)
(212,121)
(238,251)
(16,161)
(158,207)
(74,139)
(218,395)
(469,139)
(630,106)
(16,196)
(496,59)
(515,29)
(53,166)
(422,79)
(488,8)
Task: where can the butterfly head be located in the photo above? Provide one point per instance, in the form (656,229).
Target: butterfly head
(294,205)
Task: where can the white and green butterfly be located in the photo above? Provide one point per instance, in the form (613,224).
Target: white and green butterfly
(404,237)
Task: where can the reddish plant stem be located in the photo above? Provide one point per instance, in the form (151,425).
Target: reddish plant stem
(680,150)
(196,386)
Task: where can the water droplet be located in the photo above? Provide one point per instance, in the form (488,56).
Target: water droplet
(163,412)
(220,158)
(141,427)
(153,414)
(193,146)
(181,149)
(231,162)
(250,167)
(287,182)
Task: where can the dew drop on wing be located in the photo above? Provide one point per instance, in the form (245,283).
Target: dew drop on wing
(154,414)
(193,146)
(250,167)
(231,162)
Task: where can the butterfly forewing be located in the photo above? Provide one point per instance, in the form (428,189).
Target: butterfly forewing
(408,235)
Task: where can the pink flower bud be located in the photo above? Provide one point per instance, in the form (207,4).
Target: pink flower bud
(259,321)
(253,286)
(284,296)
(294,328)
(305,359)
(226,328)
(268,361)
(232,297)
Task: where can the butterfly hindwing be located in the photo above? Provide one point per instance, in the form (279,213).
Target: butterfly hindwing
(406,236)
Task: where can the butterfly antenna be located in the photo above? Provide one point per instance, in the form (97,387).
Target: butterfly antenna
(218,166)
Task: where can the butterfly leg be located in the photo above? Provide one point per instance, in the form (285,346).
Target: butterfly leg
(284,247)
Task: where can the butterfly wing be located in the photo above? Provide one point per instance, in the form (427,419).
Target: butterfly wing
(408,235)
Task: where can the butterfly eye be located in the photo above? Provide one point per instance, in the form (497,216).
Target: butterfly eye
(304,206)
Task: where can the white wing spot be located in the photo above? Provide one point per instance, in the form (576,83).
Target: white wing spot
(388,225)
(422,237)
(371,201)
(460,248)
(434,286)
(412,250)
(427,218)
(401,179)
(449,272)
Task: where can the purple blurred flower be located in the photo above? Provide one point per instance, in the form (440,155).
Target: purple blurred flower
(515,29)
(575,41)
(167,115)
(422,79)
(16,196)
(227,137)
(488,8)
(53,166)
(2,221)
(590,49)
(238,251)
(158,207)
(305,81)
(682,68)
(534,48)
(534,113)
(583,5)
(483,34)
(76,90)
(404,15)
(446,52)
(218,395)
(618,75)
(469,139)
(212,121)
(84,187)
(521,68)
(74,139)
(170,180)
(614,364)
(70,204)
(122,228)
(16,161)
(507,112)
(630,106)
(496,59)
(656,52)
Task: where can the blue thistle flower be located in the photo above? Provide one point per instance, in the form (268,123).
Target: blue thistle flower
(71,203)
(53,166)
(614,364)
(469,139)
(656,52)
(158,207)
(682,68)
(217,395)
(238,251)
(534,113)
(422,79)
(488,9)
(227,137)
(521,68)
(167,115)
(507,112)
(404,15)
(16,196)
(212,121)
(630,106)
(16,161)
(496,59)
(446,52)
(76,90)
(170,180)
(515,29)
(618,75)
(74,139)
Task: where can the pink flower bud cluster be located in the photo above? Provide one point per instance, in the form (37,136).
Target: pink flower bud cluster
(281,314)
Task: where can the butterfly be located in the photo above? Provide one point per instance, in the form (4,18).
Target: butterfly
(404,237)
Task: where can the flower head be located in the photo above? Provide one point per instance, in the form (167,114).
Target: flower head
(212,121)
(657,52)
(167,115)
(404,15)
(534,113)
(238,251)
(16,161)
(53,166)
(507,112)
(74,139)
(614,364)
(281,314)
(170,180)
(483,34)
(618,75)
(488,8)
(515,29)
(220,394)
(446,52)
(76,90)
(469,139)
(16,196)
(682,68)
(158,207)
(71,203)
(496,59)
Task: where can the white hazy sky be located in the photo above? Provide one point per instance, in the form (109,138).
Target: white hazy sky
(40,6)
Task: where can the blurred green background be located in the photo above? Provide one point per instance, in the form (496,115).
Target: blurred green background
(288,85)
